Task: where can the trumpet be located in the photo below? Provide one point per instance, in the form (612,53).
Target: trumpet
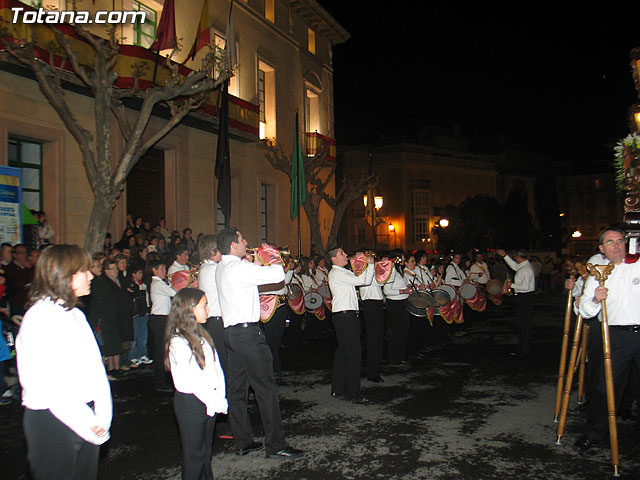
(252,252)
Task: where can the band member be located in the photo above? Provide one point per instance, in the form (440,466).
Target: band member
(417,325)
(455,275)
(524,288)
(313,327)
(293,334)
(181,260)
(438,274)
(397,292)
(425,273)
(479,271)
(348,356)
(372,299)
(248,357)
(622,295)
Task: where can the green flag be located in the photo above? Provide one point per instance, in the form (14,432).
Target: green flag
(298,179)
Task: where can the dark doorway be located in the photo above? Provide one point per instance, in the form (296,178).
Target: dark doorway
(145,187)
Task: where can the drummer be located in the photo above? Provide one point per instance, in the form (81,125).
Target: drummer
(479,271)
(455,275)
(423,269)
(313,327)
(417,325)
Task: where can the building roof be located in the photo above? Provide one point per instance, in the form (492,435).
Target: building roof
(320,20)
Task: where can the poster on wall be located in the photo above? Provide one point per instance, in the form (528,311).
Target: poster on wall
(10,205)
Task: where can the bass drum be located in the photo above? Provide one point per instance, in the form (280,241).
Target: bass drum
(450,290)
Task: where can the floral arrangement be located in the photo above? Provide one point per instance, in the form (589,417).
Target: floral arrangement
(622,158)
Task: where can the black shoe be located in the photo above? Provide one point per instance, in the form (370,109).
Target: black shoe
(377,379)
(584,444)
(287,452)
(252,447)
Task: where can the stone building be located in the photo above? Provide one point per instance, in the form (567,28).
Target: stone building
(284,52)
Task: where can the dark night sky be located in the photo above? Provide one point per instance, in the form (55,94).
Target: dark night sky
(551,81)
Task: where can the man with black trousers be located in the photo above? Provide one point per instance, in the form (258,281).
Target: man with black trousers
(249,360)
(524,288)
(344,307)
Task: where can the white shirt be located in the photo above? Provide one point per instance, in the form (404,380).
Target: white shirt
(372,292)
(343,283)
(60,369)
(238,282)
(176,267)
(524,280)
(413,277)
(394,285)
(479,273)
(206,384)
(207,283)
(623,297)
(161,295)
(454,275)
(425,274)
(322,276)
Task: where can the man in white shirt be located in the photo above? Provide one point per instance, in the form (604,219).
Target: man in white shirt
(181,260)
(372,299)
(344,307)
(454,275)
(524,288)
(479,271)
(249,361)
(622,295)
(208,250)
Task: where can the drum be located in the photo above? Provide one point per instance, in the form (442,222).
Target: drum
(324,291)
(312,300)
(440,296)
(494,286)
(468,291)
(419,302)
(450,290)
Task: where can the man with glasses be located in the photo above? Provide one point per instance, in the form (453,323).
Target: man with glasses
(622,294)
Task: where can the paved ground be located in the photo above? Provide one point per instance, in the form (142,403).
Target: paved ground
(467,411)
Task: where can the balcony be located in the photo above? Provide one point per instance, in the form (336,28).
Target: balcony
(317,142)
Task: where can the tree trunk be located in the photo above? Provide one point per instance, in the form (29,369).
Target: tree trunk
(99,222)
(311,210)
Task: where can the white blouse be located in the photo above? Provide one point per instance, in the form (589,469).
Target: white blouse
(207,384)
(60,369)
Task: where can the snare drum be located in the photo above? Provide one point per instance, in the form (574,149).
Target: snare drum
(312,301)
(419,302)
(494,286)
(440,296)
(468,291)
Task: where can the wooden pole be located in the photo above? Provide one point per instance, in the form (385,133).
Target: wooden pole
(567,386)
(601,272)
(563,354)
(583,363)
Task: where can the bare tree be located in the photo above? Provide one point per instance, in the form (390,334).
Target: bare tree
(319,172)
(106,175)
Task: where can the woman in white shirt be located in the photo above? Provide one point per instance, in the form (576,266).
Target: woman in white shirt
(68,411)
(197,376)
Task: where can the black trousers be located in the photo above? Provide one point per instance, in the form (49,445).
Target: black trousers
(215,328)
(399,329)
(625,349)
(417,335)
(250,364)
(348,354)
(374,330)
(524,313)
(158,325)
(55,451)
(196,436)
(273,333)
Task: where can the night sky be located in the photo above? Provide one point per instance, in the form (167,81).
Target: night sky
(549,81)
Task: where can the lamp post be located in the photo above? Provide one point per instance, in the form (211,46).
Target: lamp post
(373,203)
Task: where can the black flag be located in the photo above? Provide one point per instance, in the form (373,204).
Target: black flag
(223,167)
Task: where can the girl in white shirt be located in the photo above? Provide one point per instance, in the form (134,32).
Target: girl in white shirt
(198,378)
(68,411)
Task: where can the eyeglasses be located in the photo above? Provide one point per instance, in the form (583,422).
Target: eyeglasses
(609,243)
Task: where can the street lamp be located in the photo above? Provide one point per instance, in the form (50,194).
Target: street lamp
(373,206)
(444,223)
(576,234)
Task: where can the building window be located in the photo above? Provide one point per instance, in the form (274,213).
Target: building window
(269,10)
(27,156)
(264,214)
(219,45)
(420,215)
(312,111)
(311,40)
(266,98)
(145,33)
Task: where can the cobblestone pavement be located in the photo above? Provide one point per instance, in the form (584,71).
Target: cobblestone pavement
(468,410)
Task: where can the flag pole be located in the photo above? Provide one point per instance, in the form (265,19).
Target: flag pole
(298,201)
